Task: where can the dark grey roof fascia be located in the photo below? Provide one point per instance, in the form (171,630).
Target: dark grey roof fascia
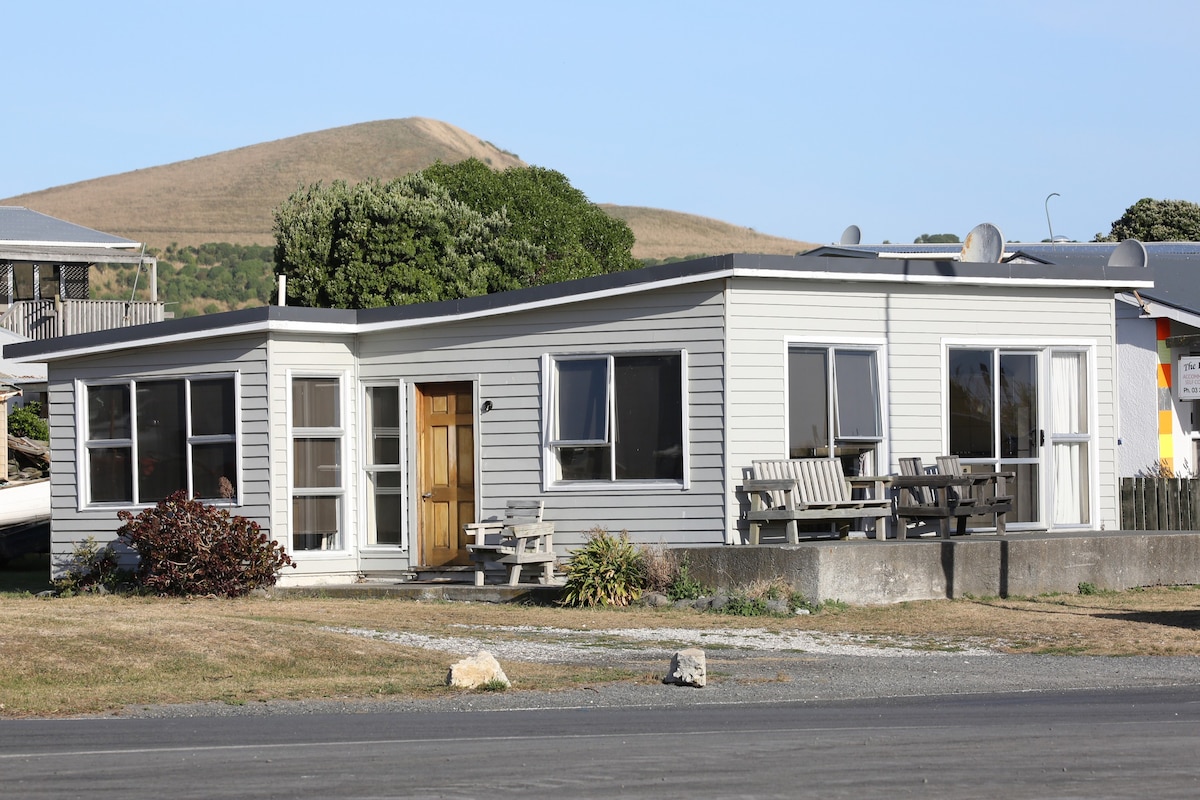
(46,254)
(224,323)
(26,226)
(714,267)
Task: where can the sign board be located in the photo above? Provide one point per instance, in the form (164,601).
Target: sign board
(1187,378)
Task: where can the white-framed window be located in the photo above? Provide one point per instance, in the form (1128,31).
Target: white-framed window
(148,438)
(318,458)
(382,414)
(834,402)
(616,418)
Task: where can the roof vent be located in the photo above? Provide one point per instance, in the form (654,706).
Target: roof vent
(852,235)
(983,245)
(1129,253)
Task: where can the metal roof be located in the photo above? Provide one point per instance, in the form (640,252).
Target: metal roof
(815,269)
(1176,265)
(22,226)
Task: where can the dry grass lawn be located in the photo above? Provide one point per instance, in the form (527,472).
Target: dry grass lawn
(91,654)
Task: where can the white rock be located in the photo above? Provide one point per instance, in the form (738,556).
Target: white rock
(475,671)
(687,668)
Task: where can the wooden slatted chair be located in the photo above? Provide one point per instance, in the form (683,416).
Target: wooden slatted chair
(930,498)
(521,538)
(816,489)
(998,503)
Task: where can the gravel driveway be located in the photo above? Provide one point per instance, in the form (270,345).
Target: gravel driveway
(744,666)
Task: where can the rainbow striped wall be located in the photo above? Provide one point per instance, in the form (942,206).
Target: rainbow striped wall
(1166,408)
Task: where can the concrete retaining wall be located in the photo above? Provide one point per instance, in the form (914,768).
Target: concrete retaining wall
(866,572)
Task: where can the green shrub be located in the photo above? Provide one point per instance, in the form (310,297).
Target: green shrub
(27,421)
(189,548)
(89,568)
(684,586)
(607,571)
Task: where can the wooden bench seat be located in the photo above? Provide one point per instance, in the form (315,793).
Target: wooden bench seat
(520,538)
(812,489)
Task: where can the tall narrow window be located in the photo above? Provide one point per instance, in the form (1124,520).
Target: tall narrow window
(1069,437)
(385,501)
(145,440)
(618,418)
(317,486)
(834,403)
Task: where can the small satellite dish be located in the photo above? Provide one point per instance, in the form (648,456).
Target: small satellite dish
(983,245)
(852,235)
(1129,253)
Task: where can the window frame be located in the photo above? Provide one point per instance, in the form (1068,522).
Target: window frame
(370,469)
(878,349)
(336,433)
(85,444)
(550,463)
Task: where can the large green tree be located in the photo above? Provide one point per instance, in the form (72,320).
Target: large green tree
(578,238)
(444,233)
(1156,221)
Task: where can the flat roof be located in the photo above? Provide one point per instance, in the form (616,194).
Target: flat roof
(822,269)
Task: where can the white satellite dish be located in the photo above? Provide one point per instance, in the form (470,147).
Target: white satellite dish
(983,245)
(852,235)
(1129,253)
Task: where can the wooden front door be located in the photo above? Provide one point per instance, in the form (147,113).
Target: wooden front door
(446,466)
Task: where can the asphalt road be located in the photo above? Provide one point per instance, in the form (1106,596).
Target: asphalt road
(1142,743)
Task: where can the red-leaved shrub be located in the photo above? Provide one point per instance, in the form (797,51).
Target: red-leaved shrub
(189,548)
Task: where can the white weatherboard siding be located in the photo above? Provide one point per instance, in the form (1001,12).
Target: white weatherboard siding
(917,323)
(293,356)
(503,355)
(244,356)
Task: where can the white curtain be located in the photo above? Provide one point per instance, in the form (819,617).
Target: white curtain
(1068,415)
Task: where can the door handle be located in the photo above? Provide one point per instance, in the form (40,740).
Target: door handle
(1041,438)
(427,495)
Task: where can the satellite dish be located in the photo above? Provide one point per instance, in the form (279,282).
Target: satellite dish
(1129,253)
(852,235)
(983,245)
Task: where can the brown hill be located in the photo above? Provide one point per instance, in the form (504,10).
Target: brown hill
(229,196)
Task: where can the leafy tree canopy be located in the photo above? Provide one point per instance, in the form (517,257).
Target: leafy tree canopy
(450,231)
(936,238)
(1150,220)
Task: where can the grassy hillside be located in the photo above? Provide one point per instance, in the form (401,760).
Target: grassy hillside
(228,197)
(180,210)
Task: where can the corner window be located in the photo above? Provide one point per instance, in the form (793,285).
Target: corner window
(147,439)
(834,402)
(617,418)
(317,474)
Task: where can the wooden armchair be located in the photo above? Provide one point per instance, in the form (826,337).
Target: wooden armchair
(520,538)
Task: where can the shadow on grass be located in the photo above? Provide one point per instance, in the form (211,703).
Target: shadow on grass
(28,573)
(1189,618)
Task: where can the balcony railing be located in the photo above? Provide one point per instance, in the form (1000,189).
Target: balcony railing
(46,319)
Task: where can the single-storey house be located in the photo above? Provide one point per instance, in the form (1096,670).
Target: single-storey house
(364,440)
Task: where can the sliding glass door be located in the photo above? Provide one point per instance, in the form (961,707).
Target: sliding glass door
(1002,403)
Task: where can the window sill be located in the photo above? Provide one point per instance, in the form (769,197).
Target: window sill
(603,487)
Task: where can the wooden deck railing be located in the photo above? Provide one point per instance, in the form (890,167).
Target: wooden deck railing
(1160,504)
(46,319)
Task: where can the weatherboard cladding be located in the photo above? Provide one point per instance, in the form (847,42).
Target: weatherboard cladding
(916,323)
(247,356)
(505,356)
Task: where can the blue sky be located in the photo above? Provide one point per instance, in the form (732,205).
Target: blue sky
(792,118)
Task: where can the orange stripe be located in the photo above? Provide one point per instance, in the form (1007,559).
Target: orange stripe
(1162,327)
